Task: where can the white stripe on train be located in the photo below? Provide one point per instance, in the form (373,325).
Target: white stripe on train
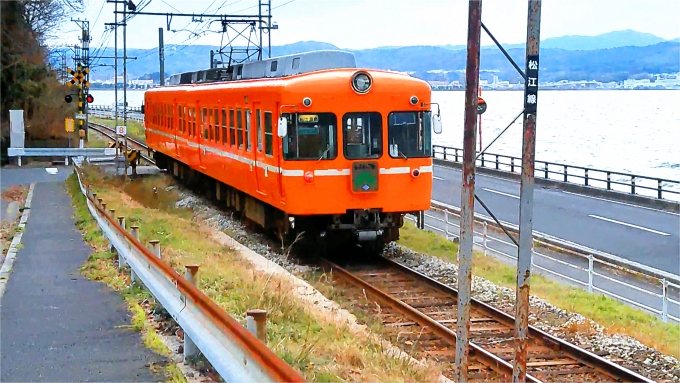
(284,172)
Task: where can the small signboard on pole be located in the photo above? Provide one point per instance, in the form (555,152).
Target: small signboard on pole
(80,116)
(69,125)
(121,130)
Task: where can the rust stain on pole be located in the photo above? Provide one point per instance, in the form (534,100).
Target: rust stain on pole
(526,202)
(468,193)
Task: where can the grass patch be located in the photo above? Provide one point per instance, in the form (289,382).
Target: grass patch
(616,317)
(100,267)
(134,129)
(320,350)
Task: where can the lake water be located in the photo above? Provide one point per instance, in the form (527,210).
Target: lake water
(620,130)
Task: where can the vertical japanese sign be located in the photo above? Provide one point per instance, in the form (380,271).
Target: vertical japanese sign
(531,85)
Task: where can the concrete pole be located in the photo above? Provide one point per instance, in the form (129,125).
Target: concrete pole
(467,204)
(526,195)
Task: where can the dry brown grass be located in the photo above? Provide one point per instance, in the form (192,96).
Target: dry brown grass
(320,350)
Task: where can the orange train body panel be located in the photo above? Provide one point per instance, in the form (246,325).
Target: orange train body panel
(255,163)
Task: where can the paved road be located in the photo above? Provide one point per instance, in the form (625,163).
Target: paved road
(57,325)
(647,236)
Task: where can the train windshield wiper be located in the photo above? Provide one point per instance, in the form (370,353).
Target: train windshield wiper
(324,153)
(402,154)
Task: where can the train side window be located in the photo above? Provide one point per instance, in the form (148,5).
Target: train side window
(232,130)
(204,124)
(362,135)
(258,126)
(216,116)
(239,126)
(224,127)
(268,135)
(275,65)
(296,63)
(310,137)
(248,139)
(211,124)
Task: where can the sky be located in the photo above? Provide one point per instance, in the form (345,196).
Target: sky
(356,24)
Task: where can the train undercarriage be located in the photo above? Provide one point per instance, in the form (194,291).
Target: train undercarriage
(357,232)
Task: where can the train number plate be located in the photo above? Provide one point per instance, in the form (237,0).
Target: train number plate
(364,177)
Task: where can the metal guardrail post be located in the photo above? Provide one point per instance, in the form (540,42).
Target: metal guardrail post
(99,202)
(155,247)
(512,164)
(256,322)
(586,177)
(112,212)
(134,230)
(609,181)
(121,260)
(591,270)
(664,297)
(659,188)
(456,154)
(632,185)
(484,236)
(190,349)
(565,173)
(103,206)
(496,161)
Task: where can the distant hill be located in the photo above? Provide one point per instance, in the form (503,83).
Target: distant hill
(439,63)
(614,39)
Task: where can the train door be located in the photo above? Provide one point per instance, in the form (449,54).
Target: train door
(258,155)
(202,136)
(175,125)
(278,153)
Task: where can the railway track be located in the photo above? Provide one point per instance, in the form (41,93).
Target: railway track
(421,313)
(131,142)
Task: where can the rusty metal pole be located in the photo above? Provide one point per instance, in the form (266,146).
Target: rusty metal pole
(467,203)
(526,196)
(190,348)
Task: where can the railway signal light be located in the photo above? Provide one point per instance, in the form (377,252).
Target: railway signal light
(90,99)
(68,98)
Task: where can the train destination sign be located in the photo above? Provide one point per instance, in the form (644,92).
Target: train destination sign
(308,118)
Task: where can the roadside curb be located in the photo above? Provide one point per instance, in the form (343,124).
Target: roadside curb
(6,269)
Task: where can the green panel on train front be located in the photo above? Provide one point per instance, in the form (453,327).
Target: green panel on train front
(364,177)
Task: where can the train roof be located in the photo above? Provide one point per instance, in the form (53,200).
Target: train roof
(275,67)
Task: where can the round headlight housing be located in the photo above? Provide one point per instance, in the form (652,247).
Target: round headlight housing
(361,82)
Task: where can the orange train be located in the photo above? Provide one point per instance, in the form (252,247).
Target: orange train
(302,143)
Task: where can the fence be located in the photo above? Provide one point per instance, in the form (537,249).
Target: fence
(588,271)
(102,111)
(236,353)
(622,182)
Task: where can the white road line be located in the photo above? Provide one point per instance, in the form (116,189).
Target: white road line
(628,224)
(501,193)
(439,178)
(621,203)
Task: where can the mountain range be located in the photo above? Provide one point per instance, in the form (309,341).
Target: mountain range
(613,56)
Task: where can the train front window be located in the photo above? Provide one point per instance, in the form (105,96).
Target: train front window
(409,134)
(310,137)
(362,135)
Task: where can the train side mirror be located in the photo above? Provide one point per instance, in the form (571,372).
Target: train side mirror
(437,123)
(283,127)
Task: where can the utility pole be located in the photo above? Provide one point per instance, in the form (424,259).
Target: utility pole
(161,55)
(467,204)
(84,65)
(526,192)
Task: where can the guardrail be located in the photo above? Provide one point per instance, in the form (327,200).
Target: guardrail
(583,266)
(633,184)
(137,109)
(233,351)
(111,115)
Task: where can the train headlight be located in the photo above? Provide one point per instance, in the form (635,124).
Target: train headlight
(415,173)
(307,102)
(309,176)
(414,100)
(361,82)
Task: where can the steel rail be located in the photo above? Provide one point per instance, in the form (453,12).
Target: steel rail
(266,362)
(106,130)
(490,360)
